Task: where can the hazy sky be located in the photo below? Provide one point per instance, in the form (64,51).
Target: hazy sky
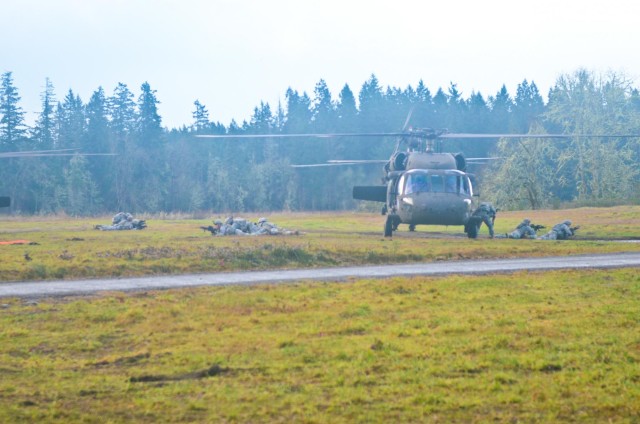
(232,54)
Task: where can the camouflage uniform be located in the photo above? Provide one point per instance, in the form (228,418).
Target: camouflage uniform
(560,231)
(267,227)
(123,221)
(523,230)
(484,213)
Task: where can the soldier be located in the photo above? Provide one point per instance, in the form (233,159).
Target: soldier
(226,228)
(267,227)
(523,230)
(240,224)
(484,213)
(123,221)
(560,231)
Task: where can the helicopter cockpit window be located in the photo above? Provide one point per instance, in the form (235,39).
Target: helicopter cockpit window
(437,182)
(452,183)
(428,182)
(417,183)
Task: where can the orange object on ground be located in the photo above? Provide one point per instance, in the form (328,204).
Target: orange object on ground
(15,242)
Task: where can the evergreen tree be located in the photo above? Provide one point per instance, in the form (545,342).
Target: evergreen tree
(457,116)
(149,129)
(423,112)
(43,133)
(122,111)
(323,109)
(528,106)
(440,109)
(346,109)
(298,112)
(501,106)
(123,124)
(71,122)
(98,139)
(372,110)
(262,119)
(12,127)
(200,117)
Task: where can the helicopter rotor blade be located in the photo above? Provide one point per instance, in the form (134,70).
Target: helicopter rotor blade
(424,134)
(47,153)
(356,161)
(322,165)
(522,136)
(328,135)
(406,122)
(340,162)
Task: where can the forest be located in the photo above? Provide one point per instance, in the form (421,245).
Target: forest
(155,169)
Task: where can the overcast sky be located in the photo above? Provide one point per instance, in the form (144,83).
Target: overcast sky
(232,54)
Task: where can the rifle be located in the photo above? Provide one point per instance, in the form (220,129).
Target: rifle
(537,227)
(574,229)
(212,230)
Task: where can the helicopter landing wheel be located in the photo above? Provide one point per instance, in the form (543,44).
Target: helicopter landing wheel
(388,226)
(412,227)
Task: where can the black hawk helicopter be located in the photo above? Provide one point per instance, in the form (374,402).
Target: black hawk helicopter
(421,184)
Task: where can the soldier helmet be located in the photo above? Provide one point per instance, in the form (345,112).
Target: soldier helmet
(526,221)
(218,222)
(261,220)
(567,223)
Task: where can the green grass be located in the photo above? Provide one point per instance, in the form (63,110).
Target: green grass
(70,248)
(528,347)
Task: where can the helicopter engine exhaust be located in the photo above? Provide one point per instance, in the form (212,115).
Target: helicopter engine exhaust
(461,162)
(398,162)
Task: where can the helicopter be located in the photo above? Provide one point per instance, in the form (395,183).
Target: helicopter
(421,184)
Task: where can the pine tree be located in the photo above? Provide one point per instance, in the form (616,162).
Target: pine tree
(200,117)
(43,133)
(12,127)
(122,111)
(528,106)
(323,109)
(501,106)
(149,129)
(71,121)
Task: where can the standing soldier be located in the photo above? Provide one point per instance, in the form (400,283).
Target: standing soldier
(484,213)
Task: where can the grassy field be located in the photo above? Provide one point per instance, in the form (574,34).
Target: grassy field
(557,346)
(68,248)
(528,347)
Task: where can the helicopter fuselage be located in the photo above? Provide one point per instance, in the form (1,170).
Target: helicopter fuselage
(431,197)
(423,188)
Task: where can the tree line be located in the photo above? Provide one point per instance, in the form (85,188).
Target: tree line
(159,169)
